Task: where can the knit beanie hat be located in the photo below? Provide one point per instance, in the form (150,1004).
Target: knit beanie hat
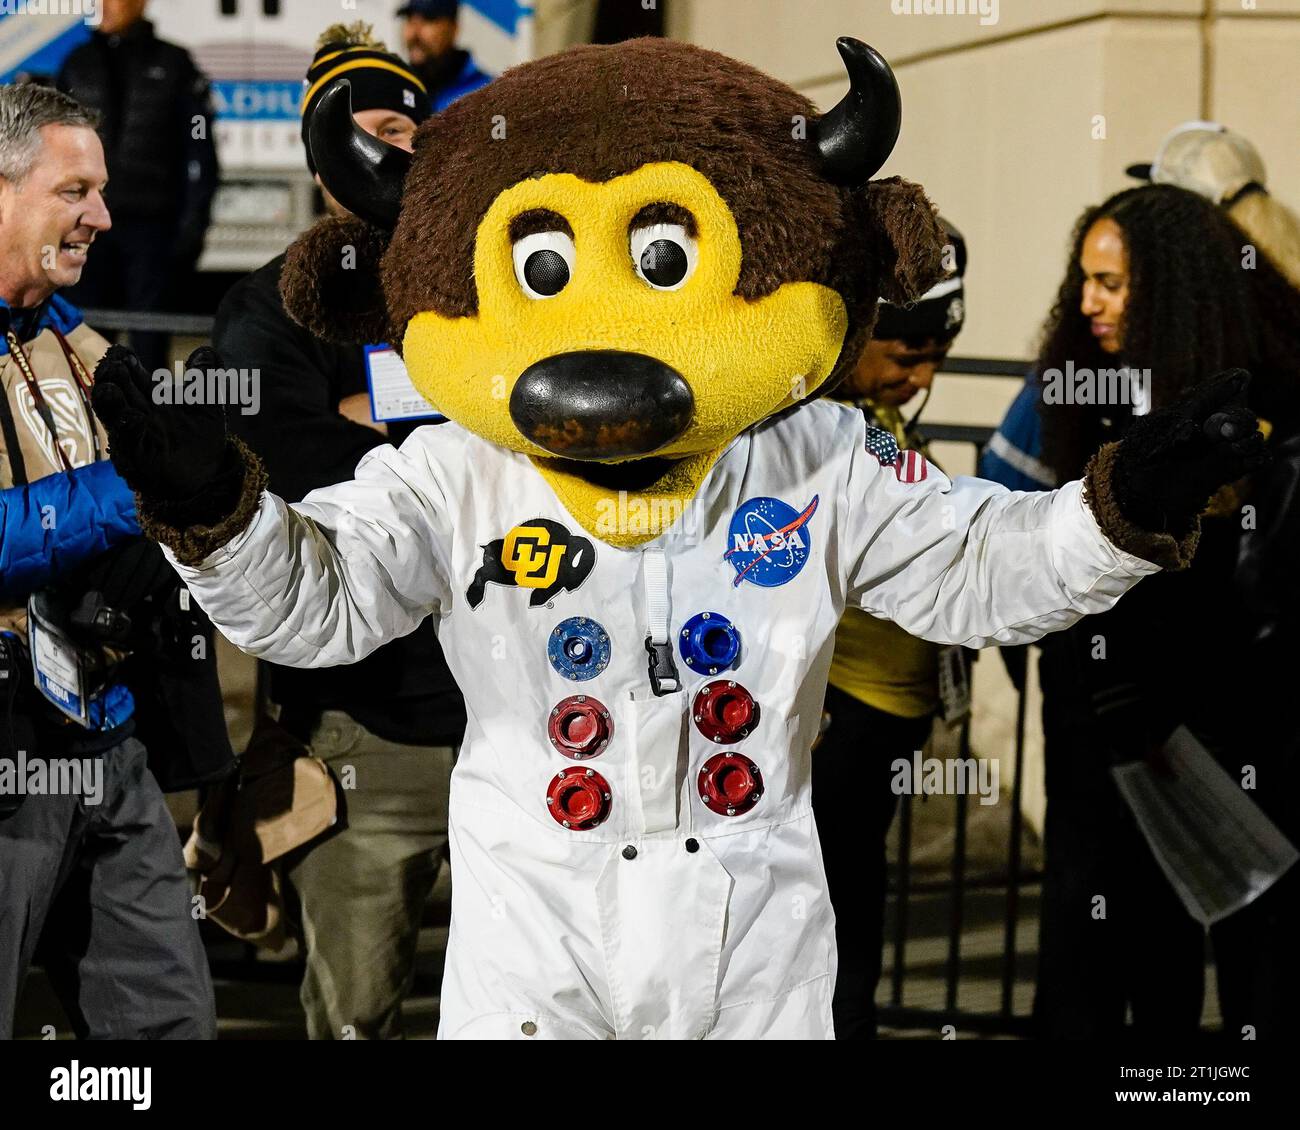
(380,80)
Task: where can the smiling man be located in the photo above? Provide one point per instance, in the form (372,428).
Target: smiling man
(127,962)
(56,206)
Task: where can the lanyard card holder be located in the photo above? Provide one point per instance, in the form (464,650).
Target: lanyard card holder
(392,395)
(954,684)
(57,667)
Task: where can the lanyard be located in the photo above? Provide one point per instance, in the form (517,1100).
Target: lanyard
(80,377)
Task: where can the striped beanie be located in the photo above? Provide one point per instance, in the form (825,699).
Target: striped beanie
(380,80)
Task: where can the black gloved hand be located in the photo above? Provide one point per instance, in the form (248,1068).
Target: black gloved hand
(177,457)
(125,575)
(115,596)
(1171,462)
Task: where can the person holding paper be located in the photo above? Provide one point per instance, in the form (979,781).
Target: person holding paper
(395,717)
(1155,296)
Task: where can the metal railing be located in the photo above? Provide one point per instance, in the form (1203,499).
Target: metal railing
(1004,1019)
(138,321)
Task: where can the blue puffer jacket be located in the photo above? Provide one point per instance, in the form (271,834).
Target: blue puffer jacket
(1013,455)
(465,80)
(56,523)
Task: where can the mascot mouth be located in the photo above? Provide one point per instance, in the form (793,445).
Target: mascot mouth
(635,476)
(602,404)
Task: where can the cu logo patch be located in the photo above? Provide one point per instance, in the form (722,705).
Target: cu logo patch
(769,541)
(540,555)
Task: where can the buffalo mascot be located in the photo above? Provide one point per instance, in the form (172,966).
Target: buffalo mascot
(625,274)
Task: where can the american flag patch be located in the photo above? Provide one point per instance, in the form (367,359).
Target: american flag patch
(882,445)
(910,467)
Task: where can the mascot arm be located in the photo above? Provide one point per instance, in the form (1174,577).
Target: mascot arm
(972,563)
(328,580)
(969,562)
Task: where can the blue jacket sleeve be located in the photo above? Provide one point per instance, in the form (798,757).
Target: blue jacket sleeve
(54,524)
(1013,455)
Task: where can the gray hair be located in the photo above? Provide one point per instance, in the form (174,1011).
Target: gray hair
(24,109)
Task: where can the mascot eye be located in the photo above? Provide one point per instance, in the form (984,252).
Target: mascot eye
(664,255)
(544,263)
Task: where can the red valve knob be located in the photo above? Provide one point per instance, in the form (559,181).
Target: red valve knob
(580,727)
(725,712)
(578,798)
(730,784)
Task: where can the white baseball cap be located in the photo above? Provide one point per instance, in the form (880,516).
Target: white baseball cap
(1206,158)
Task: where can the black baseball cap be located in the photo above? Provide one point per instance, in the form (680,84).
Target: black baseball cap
(939,313)
(430,9)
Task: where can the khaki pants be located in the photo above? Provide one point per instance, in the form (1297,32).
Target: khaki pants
(362,892)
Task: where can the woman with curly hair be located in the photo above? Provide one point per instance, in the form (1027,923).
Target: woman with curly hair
(1159,291)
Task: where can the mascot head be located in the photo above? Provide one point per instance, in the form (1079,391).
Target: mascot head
(618,258)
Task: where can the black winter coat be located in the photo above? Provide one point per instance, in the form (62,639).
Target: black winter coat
(404,691)
(151,97)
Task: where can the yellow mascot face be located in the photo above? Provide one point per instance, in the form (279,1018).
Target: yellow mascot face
(627,286)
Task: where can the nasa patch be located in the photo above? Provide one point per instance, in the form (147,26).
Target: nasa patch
(768,541)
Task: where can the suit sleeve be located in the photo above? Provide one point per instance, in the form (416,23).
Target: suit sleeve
(330,579)
(969,562)
(56,523)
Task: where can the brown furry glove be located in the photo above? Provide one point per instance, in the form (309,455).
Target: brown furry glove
(1149,490)
(196,486)
(1171,462)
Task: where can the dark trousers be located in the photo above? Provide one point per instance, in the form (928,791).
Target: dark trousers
(1113,934)
(854,804)
(130,267)
(102,888)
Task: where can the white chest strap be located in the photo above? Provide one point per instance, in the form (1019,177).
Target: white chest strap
(663,671)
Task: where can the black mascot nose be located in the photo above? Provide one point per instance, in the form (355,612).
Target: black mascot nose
(601,404)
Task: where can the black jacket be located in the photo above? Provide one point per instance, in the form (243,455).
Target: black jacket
(1211,647)
(153,101)
(404,691)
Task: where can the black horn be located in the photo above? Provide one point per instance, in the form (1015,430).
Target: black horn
(361,172)
(857,136)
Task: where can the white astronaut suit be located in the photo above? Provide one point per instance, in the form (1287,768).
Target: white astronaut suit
(663,879)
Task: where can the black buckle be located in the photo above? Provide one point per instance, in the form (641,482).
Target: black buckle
(662,668)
